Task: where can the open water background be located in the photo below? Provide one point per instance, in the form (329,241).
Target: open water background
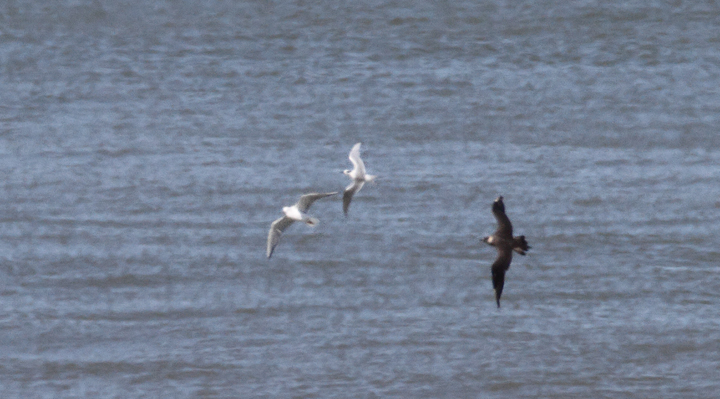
(145,148)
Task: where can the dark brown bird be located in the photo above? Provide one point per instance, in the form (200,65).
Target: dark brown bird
(505,244)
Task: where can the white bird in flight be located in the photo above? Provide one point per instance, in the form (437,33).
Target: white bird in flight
(292,214)
(358,176)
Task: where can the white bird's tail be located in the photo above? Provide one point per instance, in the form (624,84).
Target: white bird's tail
(312,222)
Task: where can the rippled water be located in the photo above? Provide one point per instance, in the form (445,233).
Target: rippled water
(146,148)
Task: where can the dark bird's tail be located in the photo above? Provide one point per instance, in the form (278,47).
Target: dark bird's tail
(498,277)
(520,245)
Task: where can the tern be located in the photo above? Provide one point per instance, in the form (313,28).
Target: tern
(505,244)
(293,214)
(358,176)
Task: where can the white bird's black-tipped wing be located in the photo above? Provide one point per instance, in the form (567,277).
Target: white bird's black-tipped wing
(308,199)
(504,230)
(276,229)
(349,192)
(356,160)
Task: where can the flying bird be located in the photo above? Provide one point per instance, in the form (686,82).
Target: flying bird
(292,214)
(358,176)
(505,244)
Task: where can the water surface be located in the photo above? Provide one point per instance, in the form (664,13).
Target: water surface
(146,148)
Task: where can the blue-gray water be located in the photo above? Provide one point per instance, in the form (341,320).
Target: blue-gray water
(145,148)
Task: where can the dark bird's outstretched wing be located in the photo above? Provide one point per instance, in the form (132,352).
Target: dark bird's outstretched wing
(499,267)
(504,230)
(349,192)
(276,229)
(307,200)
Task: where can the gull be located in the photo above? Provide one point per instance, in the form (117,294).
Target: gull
(292,214)
(358,176)
(505,244)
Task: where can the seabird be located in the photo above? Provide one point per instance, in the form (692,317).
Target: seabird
(292,214)
(358,176)
(505,244)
